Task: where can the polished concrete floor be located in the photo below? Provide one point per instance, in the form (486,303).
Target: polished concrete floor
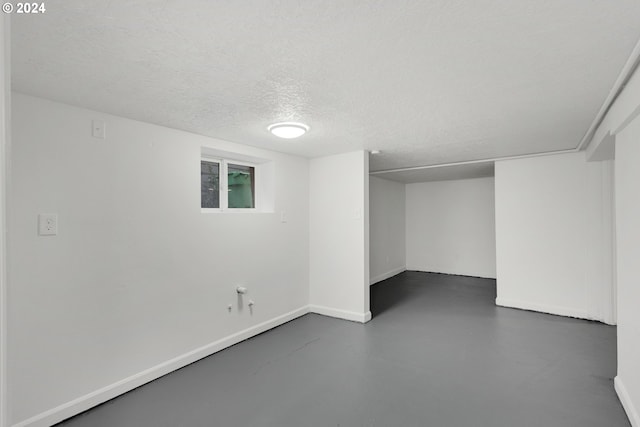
(437,353)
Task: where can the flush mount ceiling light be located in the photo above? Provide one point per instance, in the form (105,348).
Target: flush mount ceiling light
(288,130)
(375,151)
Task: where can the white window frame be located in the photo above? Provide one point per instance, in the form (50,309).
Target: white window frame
(223,185)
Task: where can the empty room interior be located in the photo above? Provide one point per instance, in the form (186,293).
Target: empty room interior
(302,213)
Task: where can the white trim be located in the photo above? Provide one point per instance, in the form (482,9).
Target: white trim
(626,401)
(216,153)
(633,114)
(449,273)
(99,396)
(473,162)
(384,276)
(340,314)
(232,211)
(620,83)
(543,308)
(223,200)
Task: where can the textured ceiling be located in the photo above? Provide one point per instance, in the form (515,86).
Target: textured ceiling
(426,81)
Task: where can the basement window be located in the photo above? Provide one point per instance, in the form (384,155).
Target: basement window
(227,185)
(232,182)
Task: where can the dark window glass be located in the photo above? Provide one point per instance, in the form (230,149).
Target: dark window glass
(209,184)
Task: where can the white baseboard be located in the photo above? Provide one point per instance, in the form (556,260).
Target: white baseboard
(449,273)
(627,404)
(81,404)
(543,308)
(384,276)
(341,314)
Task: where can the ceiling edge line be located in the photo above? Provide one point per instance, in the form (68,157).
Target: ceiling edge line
(623,78)
(473,162)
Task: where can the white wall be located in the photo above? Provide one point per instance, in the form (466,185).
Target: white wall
(628,255)
(5,120)
(386,228)
(137,275)
(553,235)
(450,227)
(621,127)
(623,122)
(339,230)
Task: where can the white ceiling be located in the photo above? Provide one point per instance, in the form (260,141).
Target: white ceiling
(426,81)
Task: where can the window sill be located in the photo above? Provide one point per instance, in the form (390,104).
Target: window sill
(231,211)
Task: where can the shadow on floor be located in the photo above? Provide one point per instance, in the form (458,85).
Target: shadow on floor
(387,294)
(396,290)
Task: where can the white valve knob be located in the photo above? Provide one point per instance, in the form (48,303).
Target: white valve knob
(241,290)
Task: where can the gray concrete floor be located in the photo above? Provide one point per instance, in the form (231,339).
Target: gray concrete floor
(438,353)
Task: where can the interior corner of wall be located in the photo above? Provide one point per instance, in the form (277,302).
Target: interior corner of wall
(627,401)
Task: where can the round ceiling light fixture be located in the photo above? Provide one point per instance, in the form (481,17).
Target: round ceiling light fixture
(288,130)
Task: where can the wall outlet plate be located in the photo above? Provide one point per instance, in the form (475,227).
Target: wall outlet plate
(47,224)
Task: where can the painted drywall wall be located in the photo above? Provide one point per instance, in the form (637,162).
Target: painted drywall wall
(554,235)
(627,178)
(5,134)
(386,228)
(621,127)
(339,233)
(138,278)
(450,227)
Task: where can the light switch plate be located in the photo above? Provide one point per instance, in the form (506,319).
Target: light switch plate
(47,224)
(99,130)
